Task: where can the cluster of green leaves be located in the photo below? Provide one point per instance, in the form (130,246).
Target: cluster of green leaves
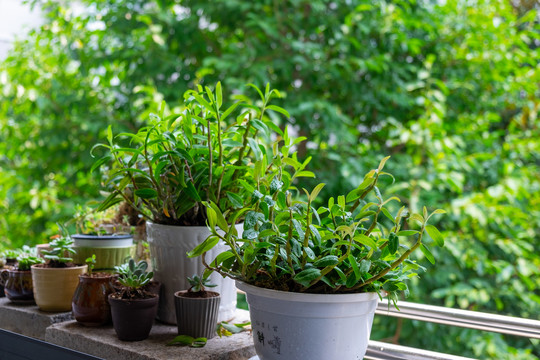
(60,249)
(199,283)
(25,261)
(290,245)
(133,275)
(10,254)
(203,153)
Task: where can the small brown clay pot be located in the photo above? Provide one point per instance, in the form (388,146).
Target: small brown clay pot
(18,286)
(133,319)
(197,316)
(90,305)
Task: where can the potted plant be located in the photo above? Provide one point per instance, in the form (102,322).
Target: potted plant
(197,309)
(101,233)
(17,281)
(56,280)
(203,152)
(133,308)
(313,276)
(8,259)
(90,301)
(137,268)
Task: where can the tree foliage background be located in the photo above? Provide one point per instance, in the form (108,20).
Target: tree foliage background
(449,89)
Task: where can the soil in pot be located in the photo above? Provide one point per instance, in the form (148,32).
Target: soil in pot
(197,313)
(90,304)
(133,317)
(18,286)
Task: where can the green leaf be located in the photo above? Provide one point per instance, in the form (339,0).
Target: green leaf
(393,243)
(279,110)
(383,161)
(316,192)
(192,192)
(219,95)
(235,199)
(146,193)
(255,147)
(427,253)
(387,214)
(328,260)
(109,134)
(355,267)
(221,222)
(365,240)
(229,110)
(434,233)
(205,246)
(364,266)
(305,277)
(407,233)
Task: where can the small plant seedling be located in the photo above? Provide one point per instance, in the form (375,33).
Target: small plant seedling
(60,247)
(91,262)
(199,283)
(25,261)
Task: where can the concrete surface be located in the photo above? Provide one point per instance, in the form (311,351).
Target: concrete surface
(28,319)
(103,342)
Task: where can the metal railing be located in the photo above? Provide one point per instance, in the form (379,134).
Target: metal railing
(462,318)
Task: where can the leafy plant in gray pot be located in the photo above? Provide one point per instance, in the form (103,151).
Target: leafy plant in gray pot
(197,309)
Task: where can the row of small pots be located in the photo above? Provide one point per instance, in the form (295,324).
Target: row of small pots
(93,304)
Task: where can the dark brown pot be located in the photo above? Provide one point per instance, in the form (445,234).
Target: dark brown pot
(90,305)
(18,286)
(196,316)
(133,319)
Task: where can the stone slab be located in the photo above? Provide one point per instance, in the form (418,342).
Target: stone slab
(28,319)
(103,342)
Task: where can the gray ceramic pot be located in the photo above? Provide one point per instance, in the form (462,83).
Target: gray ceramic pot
(196,316)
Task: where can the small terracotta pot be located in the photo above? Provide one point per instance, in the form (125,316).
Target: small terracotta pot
(18,286)
(90,305)
(195,316)
(54,287)
(133,319)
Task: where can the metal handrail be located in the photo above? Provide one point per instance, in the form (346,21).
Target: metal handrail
(462,318)
(383,351)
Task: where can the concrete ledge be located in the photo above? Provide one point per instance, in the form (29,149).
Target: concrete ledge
(103,342)
(28,320)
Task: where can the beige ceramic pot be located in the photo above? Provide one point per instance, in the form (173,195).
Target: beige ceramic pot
(54,287)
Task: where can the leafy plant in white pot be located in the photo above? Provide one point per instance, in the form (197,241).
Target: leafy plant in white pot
(313,277)
(203,152)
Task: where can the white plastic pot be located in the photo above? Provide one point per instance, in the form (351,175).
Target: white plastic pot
(290,325)
(168,248)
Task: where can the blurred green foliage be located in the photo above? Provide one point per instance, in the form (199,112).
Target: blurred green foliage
(450,89)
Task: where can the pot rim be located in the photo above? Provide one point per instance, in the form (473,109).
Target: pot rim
(104,275)
(182,226)
(178,294)
(306,297)
(16,270)
(102,237)
(77,267)
(150,299)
